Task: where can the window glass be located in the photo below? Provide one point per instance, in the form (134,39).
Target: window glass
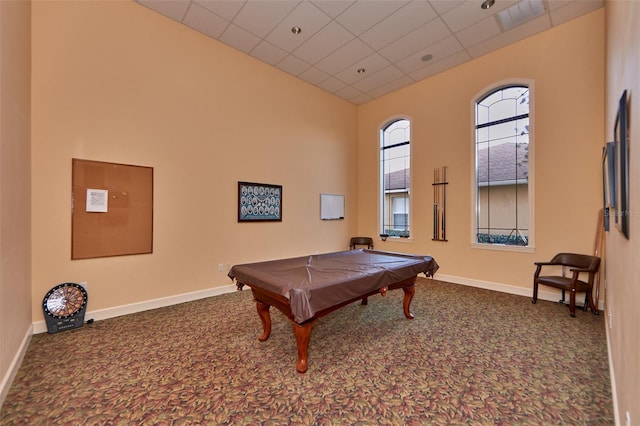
(395,173)
(502,167)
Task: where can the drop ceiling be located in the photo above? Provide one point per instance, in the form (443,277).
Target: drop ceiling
(360,50)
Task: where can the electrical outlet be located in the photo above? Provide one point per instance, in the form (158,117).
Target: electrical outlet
(220,267)
(610,319)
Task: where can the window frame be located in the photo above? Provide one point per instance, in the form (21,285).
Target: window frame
(381,183)
(530,248)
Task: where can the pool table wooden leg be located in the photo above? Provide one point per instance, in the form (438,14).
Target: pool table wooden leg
(408,297)
(303,335)
(265,317)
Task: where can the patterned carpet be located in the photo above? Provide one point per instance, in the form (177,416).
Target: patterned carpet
(470,357)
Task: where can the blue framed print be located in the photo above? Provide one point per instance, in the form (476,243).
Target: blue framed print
(259,202)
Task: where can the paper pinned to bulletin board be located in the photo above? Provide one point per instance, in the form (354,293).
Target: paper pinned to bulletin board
(331,207)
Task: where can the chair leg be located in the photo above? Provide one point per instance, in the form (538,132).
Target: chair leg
(535,293)
(592,303)
(572,303)
(561,300)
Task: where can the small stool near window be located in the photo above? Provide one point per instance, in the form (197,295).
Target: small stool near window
(360,241)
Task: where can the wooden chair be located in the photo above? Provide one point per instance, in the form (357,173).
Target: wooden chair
(577,264)
(361,241)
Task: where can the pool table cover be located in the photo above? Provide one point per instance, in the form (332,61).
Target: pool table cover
(316,282)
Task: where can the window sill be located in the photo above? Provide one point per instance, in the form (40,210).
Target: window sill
(396,240)
(503,247)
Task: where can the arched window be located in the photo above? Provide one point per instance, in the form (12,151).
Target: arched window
(395,182)
(503,168)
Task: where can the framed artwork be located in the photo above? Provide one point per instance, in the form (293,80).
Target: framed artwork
(259,202)
(621,140)
(608,182)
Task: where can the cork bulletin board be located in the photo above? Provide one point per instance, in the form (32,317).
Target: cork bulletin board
(111,209)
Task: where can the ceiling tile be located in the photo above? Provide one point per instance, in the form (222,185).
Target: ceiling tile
(333,8)
(292,65)
(439,50)
(442,6)
(332,85)
(239,38)
(305,16)
(205,21)
(348,92)
(406,19)
(554,4)
(372,64)
(268,53)
(348,54)
(479,32)
(392,86)
(416,40)
(330,38)
(314,75)
(365,14)
(376,80)
(443,65)
(226,9)
(574,9)
(385,37)
(361,99)
(469,13)
(518,33)
(261,17)
(174,9)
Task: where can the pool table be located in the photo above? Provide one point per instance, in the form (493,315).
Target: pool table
(309,287)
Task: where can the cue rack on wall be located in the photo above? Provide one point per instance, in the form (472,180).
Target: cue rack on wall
(440,204)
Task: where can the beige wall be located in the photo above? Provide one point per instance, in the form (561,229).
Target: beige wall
(114,81)
(622,265)
(566,65)
(15,236)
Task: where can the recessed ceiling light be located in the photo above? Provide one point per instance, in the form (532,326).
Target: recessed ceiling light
(486,4)
(361,71)
(296,30)
(426,57)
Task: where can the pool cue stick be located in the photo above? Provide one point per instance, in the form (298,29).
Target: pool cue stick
(444,202)
(438,204)
(435,208)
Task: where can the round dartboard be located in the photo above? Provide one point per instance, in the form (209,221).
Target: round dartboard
(64,307)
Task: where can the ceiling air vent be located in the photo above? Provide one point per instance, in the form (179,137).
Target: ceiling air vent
(520,13)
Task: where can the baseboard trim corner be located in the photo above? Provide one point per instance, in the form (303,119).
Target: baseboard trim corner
(543,293)
(7,380)
(116,311)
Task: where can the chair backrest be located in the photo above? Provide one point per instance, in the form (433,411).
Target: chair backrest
(361,241)
(584,261)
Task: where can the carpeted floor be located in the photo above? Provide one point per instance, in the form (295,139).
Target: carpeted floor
(470,357)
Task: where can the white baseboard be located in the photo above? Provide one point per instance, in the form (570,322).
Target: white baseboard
(15,365)
(544,293)
(102,314)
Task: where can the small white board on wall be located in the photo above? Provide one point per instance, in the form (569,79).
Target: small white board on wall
(331,207)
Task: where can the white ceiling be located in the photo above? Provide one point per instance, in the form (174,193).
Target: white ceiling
(386,38)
